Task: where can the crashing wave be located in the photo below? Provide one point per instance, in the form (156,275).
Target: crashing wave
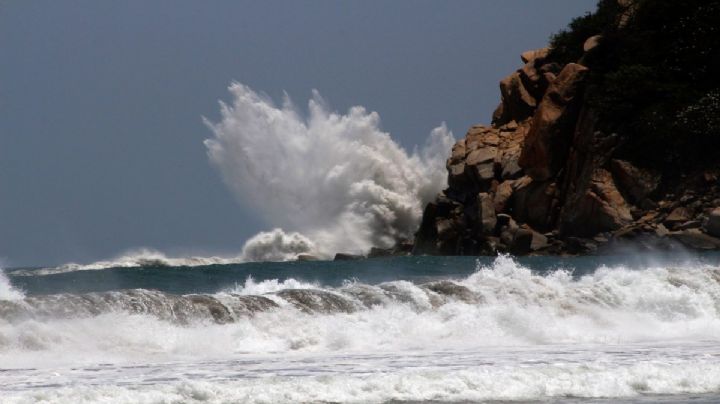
(7,291)
(499,304)
(338,182)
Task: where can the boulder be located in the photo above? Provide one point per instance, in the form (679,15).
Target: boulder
(677,216)
(457,176)
(533,80)
(533,202)
(712,226)
(509,150)
(532,55)
(600,208)
(636,182)
(481,155)
(548,142)
(502,196)
(517,103)
(486,213)
(458,152)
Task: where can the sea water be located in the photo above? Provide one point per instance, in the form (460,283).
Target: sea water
(407,329)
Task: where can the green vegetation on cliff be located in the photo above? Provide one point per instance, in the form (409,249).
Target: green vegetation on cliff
(655,76)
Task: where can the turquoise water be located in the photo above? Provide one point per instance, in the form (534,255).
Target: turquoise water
(406,329)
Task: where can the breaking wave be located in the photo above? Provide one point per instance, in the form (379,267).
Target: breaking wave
(141,258)
(502,333)
(502,304)
(337,182)
(7,291)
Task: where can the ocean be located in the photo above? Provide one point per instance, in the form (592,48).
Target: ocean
(635,329)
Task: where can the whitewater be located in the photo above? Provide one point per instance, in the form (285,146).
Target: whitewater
(434,329)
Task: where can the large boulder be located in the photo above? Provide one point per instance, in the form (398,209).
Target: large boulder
(637,183)
(548,142)
(486,213)
(535,54)
(600,208)
(517,102)
(509,150)
(533,202)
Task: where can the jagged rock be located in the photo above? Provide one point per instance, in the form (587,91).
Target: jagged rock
(713,223)
(510,148)
(486,213)
(677,216)
(457,177)
(636,182)
(458,152)
(517,103)
(551,162)
(661,230)
(502,196)
(533,202)
(548,141)
(534,54)
(601,208)
(533,79)
(694,238)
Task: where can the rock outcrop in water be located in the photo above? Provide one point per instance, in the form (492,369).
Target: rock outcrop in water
(566,168)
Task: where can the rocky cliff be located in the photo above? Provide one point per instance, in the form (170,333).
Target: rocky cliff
(561,170)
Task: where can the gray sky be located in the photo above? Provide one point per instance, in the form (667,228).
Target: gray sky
(101,102)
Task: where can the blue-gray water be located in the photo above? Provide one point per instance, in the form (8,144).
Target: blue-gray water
(407,329)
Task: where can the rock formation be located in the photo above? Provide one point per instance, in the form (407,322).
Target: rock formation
(545,178)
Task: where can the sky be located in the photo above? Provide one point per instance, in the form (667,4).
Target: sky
(102,103)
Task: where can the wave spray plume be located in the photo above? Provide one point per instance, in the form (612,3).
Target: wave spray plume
(336,182)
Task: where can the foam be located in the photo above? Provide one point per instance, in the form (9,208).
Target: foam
(7,291)
(594,380)
(336,181)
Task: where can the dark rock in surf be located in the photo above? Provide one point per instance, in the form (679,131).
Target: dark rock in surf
(347,257)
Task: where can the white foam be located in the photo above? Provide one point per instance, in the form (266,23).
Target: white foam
(143,257)
(517,307)
(7,291)
(590,380)
(252,287)
(338,179)
(615,333)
